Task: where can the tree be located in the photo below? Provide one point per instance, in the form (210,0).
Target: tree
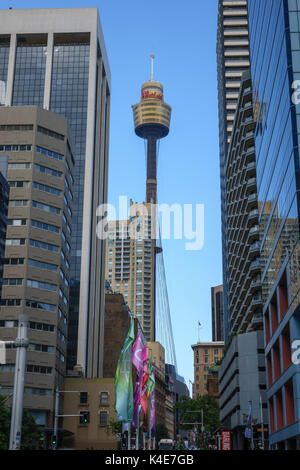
(190,412)
(31,432)
(161,432)
(115,426)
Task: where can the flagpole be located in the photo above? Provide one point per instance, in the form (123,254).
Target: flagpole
(129,436)
(252,442)
(262,423)
(137,430)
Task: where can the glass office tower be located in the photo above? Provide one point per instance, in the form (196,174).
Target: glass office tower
(275,64)
(56,59)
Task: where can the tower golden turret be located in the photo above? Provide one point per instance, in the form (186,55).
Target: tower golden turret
(152,122)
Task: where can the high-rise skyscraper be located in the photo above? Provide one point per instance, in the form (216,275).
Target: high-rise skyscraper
(36,274)
(232,61)
(130,269)
(217,313)
(56,59)
(275,57)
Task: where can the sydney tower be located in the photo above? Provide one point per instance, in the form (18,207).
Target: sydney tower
(152,121)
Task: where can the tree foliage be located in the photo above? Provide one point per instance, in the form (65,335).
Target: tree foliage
(190,412)
(161,432)
(31,432)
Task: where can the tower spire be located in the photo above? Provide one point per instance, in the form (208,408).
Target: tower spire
(152,66)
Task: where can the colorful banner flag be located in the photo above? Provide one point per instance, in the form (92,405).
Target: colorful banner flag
(137,360)
(150,390)
(248,430)
(123,380)
(152,413)
(144,394)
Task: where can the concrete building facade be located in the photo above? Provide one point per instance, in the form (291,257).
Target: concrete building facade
(242,379)
(36,275)
(130,266)
(56,59)
(232,61)
(244,290)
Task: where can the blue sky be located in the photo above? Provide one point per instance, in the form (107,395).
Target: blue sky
(182,35)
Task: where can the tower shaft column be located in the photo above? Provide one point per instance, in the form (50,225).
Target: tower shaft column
(151,184)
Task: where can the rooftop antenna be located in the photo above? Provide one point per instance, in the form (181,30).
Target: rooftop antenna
(152,63)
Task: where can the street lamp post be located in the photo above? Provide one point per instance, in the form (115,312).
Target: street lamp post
(21,344)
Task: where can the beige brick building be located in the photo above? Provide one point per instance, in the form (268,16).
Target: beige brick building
(97,398)
(205,355)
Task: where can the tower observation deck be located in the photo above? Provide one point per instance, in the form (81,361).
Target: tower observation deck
(152,122)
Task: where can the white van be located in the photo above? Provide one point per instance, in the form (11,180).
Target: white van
(166,444)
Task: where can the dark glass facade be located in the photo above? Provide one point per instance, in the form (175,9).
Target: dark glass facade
(275,64)
(69,97)
(29,76)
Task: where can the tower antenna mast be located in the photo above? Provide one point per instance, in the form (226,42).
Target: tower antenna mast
(152,66)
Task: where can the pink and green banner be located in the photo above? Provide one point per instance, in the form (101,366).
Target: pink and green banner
(123,380)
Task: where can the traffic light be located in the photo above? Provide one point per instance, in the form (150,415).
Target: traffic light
(53,441)
(123,442)
(84,417)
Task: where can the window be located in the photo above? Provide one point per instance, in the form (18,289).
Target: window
(104,398)
(12,282)
(83,398)
(19,184)
(14,241)
(41,305)
(18,203)
(41,265)
(44,226)
(49,153)
(18,166)
(45,207)
(16,127)
(14,148)
(41,285)
(39,369)
(13,261)
(54,134)
(16,222)
(44,246)
(10,302)
(103,418)
(216,352)
(46,170)
(46,189)
(41,326)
